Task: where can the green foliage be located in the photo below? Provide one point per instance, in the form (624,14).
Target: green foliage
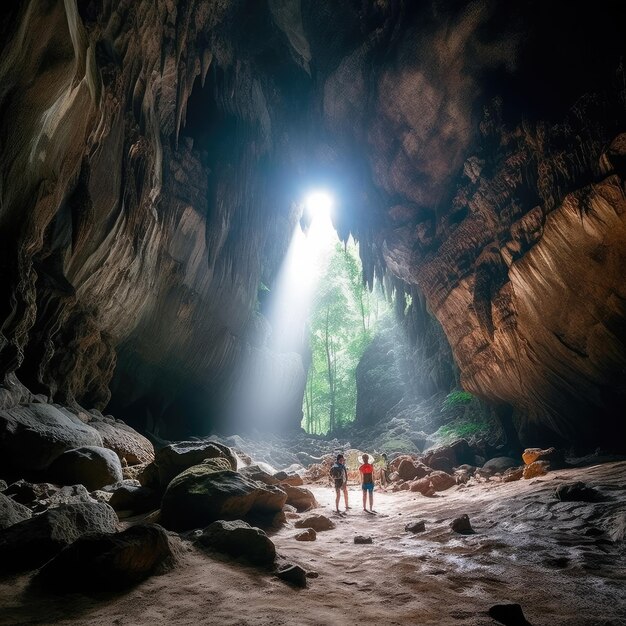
(342,322)
(465,428)
(456,399)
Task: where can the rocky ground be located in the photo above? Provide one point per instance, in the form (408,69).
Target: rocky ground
(562,561)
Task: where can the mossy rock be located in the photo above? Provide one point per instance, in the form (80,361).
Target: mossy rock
(398,444)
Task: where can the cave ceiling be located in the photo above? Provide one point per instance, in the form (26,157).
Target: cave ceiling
(154,153)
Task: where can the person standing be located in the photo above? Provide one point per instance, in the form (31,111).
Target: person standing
(367,482)
(339,474)
(384,471)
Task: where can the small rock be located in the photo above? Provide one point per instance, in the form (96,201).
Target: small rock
(553,456)
(512,474)
(462,525)
(3,485)
(415,527)
(293,574)
(509,615)
(238,538)
(577,492)
(538,468)
(312,574)
(361,539)
(316,522)
(307,535)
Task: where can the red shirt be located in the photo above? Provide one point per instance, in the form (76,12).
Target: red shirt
(367,473)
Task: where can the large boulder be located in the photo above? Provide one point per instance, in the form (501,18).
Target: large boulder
(500,464)
(34,541)
(410,470)
(34,435)
(201,495)
(91,466)
(254,472)
(446,458)
(554,457)
(239,539)
(135,499)
(440,481)
(177,457)
(12,512)
(125,441)
(108,562)
(302,499)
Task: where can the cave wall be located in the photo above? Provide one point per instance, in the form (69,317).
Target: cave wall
(152,153)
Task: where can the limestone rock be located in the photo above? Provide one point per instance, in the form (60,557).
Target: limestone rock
(293,574)
(239,539)
(538,468)
(302,499)
(306,535)
(108,562)
(409,470)
(500,464)
(361,539)
(92,466)
(446,458)
(200,495)
(462,525)
(34,435)
(177,457)
(553,456)
(316,522)
(254,472)
(284,478)
(125,441)
(415,527)
(34,541)
(12,512)
(578,492)
(512,474)
(440,481)
(3,485)
(28,493)
(71,494)
(134,498)
(509,615)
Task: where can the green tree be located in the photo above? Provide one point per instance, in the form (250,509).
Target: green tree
(341,325)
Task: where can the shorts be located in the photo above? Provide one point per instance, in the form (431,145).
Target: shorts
(368,486)
(339,484)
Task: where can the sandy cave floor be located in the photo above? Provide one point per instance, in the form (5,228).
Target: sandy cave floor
(528,548)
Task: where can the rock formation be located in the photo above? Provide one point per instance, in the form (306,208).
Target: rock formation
(154,155)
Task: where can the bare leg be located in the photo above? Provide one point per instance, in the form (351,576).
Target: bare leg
(365,499)
(345,497)
(337,494)
(371,499)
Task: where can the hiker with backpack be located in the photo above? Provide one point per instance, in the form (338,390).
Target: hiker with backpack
(339,474)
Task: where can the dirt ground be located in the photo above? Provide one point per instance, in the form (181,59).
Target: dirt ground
(564,562)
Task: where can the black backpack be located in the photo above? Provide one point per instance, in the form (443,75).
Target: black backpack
(336,471)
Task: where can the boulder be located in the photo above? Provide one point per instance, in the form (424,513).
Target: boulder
(34,541)
(462,525)
(446,458)
(512,474)
(134,498)
(409,470)
(201,495)
(306,535)
(28,493)
(500,464)
(125,441)
(3,485)
(283,478)
(108,562)
(440,481)
(302,499)
(421,485)
(316,522)
(34,435)
(554,457)
(72,494)
(12,512)
(177,457)
(91,466)
(254,472)
(239,539)
(538,468)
